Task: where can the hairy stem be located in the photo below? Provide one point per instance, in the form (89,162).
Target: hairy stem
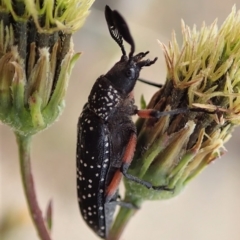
(24,143)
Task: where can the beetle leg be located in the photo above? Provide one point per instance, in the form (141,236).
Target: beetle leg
(113,186)
(124,204)
(127,159)
(110,199)
(152,113)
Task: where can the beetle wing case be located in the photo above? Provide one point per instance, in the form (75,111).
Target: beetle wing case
(92,167)
(99,154)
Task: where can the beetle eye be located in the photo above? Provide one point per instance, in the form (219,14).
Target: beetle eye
(130,73)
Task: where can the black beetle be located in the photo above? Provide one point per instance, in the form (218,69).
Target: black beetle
(106,133)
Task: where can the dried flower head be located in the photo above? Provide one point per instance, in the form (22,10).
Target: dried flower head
(36,59)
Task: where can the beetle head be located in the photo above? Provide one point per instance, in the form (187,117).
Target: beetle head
(124,73)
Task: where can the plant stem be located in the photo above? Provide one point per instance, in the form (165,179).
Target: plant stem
(24,146)
(123,217)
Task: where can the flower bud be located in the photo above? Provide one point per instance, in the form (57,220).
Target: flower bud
(36,59)
(204,73)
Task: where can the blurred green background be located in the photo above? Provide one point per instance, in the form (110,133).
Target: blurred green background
(207,210)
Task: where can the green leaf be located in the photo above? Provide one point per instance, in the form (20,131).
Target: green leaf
(143,102)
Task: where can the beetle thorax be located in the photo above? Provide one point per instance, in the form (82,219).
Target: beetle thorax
(103,98)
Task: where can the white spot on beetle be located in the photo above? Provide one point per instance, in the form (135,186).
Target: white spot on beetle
(89,195)
(91,128)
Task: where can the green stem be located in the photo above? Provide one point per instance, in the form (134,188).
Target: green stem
(24,145)
(123,217)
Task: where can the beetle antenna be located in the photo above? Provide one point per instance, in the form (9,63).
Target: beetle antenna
(124,31)
(113,29)
(159,85)
(119,30)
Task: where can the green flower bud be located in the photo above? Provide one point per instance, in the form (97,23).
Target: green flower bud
(36,59)
(203,73)
(172,150)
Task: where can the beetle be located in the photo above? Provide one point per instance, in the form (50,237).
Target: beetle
(106,133)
